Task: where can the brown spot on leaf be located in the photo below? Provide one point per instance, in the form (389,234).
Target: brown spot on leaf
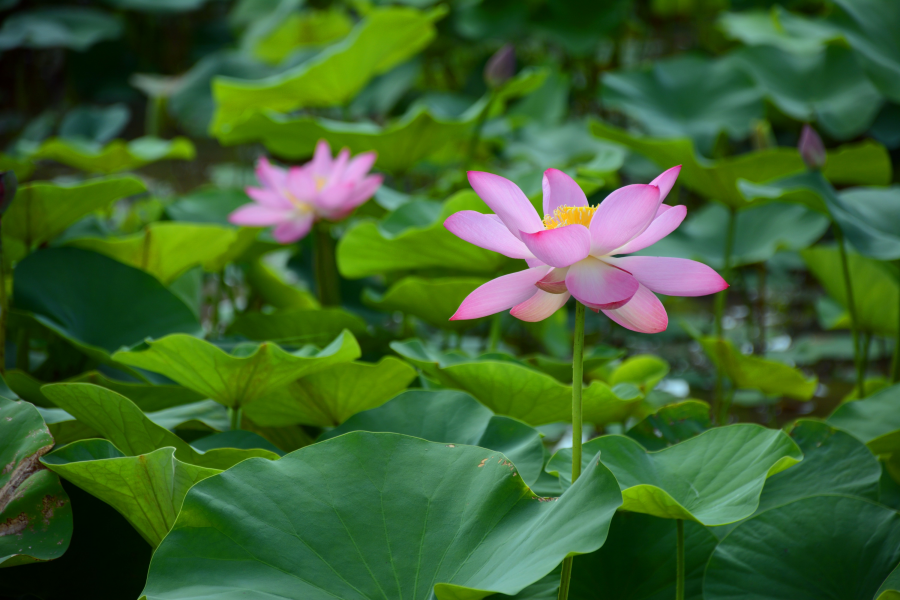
(14,525)
(48,505)
(451,445)
(29,466)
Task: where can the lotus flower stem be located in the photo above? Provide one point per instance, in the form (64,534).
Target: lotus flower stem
(679,561)
(327,281)
(494,339)
(895,369)
(721,297)
(851,307)
(577,379)
(235,415)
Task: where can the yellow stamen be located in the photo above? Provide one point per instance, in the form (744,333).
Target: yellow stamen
(570,215)
(320,182)
(299,204)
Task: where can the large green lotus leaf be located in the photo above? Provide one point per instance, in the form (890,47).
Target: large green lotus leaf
(827,86)
(594,359)
(455,522)
(876,287)
(866,163)
(714,478)
(206,415)
(118,155)
(302,30)
(641,370)
(453,417)
(297,326)
(22,166)
(827,546)
(235,381)
(637,562)
(761,231)
(35,513)
(131,431)
(97,303)
(834,462)
(868,216)
(756,373)
(515,390)
(671,424)
(165,249)
(167,6)
(331,396)
(874,420)
(890,589)
(41,210)
(146,489)
(778,28)
(687,96)
(95,123)
(869,26)
(73,27)
(419,134)
(367,250)
(384,39)
(432,300)
(236,438)
(64,428)
(148,397)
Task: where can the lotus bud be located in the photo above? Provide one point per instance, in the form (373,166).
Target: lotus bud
(500,67)
(812,149)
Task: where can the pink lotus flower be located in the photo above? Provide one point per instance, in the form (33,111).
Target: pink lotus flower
(575,251)
(293,199)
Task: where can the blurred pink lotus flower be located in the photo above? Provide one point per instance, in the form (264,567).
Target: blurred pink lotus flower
(575,251)
(293,199)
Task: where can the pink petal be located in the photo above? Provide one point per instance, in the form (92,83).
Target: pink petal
(321,162)
(256,215)
(539,307)
(294,229)
(667,220)
(339,166)
(559,247)
(500,294)
(270,176)
(665,181)
(561,190)
(268,197)
(359,166)
(302,184)
(334,197)
(672,276)
(486,232)
(554,282)
(507,200)
(644,313)
(534,262)
(594,282)
(622,216)
(362,191)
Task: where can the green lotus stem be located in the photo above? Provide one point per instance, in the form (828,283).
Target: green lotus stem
(577,380)
(851,307)
(235,414)
(494,339)
(723,404)
(761,307)
(679,561)
(895,368)
(327,281)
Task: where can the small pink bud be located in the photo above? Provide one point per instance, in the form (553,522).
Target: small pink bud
(812,149)
(501,66)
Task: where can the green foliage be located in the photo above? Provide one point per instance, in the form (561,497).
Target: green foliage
(73,27)
(328,397)
(714,478)
(230,379)
(96,303)
(872,420)
(752,372)
(115,156)
(453,417)
(432,300)
(41,211)
(320,523)
(671,424)
(35,511)
(515,390)
(384,39)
